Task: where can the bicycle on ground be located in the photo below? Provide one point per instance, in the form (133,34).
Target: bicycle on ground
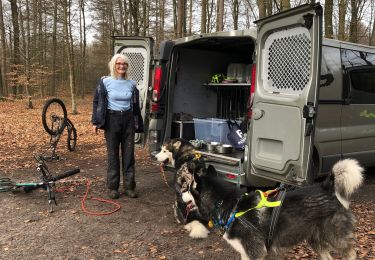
(47,181)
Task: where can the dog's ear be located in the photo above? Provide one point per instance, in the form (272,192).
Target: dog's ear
(177,145)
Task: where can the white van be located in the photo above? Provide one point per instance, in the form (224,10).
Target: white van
(313,104)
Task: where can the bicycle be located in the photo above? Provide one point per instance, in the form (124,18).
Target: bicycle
(55,120)
(47,181)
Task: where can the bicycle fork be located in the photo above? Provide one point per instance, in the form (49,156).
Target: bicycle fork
(51,197)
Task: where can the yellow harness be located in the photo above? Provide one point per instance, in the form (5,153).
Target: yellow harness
(262,203)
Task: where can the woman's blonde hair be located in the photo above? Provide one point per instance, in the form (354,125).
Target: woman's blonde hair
(112,65)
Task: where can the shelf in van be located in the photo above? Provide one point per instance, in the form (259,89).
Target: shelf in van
(227,84)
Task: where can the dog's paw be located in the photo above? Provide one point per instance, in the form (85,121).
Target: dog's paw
(197,230)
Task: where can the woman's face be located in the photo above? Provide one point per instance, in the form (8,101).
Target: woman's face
(121,67)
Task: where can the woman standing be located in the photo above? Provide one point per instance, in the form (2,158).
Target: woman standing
(115,104)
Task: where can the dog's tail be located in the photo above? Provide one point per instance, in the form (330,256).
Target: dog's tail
(347,179)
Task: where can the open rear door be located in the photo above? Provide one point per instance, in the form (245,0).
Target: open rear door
(285,100)
(139,51)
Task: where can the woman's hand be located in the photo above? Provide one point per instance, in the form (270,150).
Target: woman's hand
(95,129)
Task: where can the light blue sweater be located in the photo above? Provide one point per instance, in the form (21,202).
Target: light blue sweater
(119,93)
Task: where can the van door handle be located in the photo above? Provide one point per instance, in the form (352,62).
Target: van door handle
(258,113)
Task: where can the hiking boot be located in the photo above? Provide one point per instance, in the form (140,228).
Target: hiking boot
(131,194)
(113,194)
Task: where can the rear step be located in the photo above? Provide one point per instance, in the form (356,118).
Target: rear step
(229,167)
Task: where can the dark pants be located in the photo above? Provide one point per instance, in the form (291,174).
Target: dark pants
(119,135)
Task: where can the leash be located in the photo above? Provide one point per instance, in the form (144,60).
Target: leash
(281,193)
(162,172)
(93,213)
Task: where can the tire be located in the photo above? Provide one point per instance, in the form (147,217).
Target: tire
(72,136)
(54,116)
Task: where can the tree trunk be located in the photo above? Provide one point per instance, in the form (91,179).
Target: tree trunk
(181,17)
(285,4)
(83,43)
(52,90)
(262,8)
(204,16)
(134,11)
(70,54)
(220,15)
(16,40)
(342,14)
(190,17)
(328,28)
(235,13)
(353,33)
(4,90)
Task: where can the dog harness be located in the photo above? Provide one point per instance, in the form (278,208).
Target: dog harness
(262,203)
(224,225)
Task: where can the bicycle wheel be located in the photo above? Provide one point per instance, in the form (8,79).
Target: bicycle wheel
(54,116)
(72,136)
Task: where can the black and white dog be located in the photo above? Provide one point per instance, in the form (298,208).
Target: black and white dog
(318,214)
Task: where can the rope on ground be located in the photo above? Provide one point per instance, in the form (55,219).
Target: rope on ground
(93,213)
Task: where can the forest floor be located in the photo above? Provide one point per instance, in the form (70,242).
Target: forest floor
(144,228)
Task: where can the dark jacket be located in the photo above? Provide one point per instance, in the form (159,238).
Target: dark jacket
(100,104)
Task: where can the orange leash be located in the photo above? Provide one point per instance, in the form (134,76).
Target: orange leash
(83,200)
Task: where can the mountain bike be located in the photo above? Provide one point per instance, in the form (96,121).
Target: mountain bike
(55,120)
(47,181)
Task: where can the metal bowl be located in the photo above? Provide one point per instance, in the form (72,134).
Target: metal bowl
(211,147)
(224,148)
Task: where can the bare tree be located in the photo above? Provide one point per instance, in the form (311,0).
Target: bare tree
(262,8)
(190,17)
(82,45)
(4,89)
(284,5)
(328,28)
(16,32)
(342,14)
(134,11)
(353,33)
(181,18)
(203,16)
(220,15)
(235,13)
(70,52)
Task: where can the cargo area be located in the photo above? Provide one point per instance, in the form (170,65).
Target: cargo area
(209,83)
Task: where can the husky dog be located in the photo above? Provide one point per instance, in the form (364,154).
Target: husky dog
(318,214)
(175,152)
(179,153)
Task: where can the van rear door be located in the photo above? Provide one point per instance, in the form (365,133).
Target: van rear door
(285,100)
(139,50)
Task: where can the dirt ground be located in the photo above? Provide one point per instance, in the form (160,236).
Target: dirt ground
(144,228)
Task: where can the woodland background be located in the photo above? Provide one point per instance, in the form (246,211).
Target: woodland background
(55,47)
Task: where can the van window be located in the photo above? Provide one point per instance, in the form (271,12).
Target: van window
(330,75)
(362,90)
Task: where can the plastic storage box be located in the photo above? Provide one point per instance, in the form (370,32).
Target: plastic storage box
(211,130)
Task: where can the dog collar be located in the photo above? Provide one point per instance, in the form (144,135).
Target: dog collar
(262,203)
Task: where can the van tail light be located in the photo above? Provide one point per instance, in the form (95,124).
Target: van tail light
(252,90)
(231,176)
(156,89)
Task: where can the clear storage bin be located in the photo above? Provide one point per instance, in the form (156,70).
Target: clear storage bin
(211,130)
